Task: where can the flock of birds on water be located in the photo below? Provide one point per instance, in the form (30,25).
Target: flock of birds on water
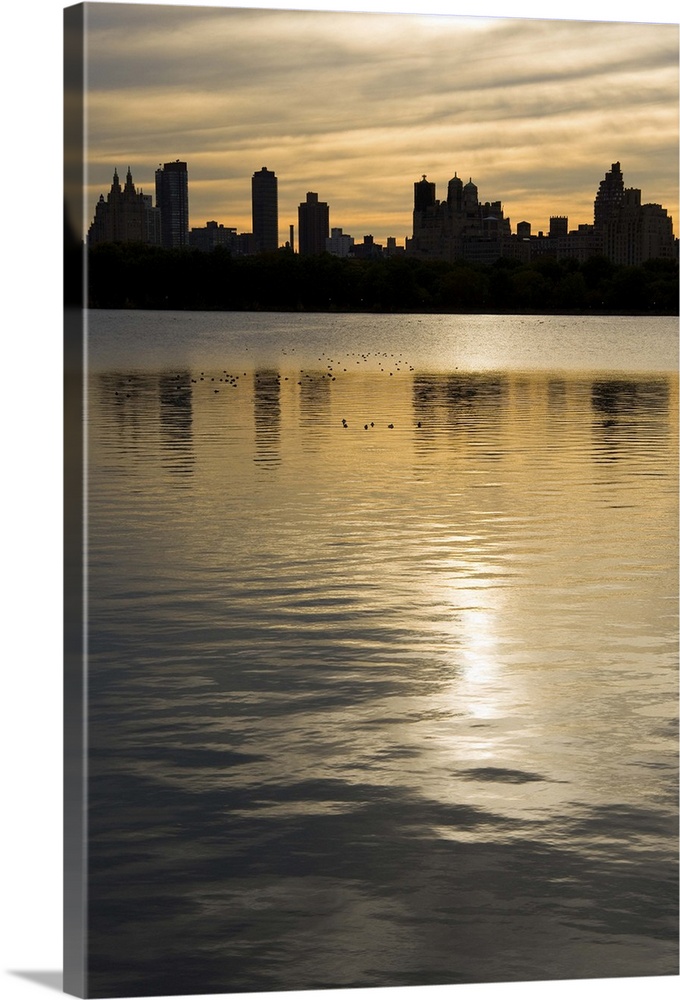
(386,364)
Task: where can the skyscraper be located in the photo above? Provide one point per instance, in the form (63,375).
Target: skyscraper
(265,210)
(313,218)
(172,198)
(424,193)
(627,231)
(609,198)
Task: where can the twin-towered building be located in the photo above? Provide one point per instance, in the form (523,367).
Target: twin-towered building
(461,227)
(125,216)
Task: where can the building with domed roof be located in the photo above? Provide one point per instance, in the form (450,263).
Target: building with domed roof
(624,230)
(459,227)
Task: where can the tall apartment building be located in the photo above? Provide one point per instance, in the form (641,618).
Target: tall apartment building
(630,232)
(172,198)
(124,216)
(265,203)
(313,225)
(609,197)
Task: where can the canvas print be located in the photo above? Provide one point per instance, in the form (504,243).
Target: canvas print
(371,477)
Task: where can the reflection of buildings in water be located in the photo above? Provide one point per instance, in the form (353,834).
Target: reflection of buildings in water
(616,396)
(315,396)
(176,417)
(556,396)
(463,403)
(556,399)
(627,414)
(467,392)
(425,391)
(132,399)
(139,404)
(315,407)
(557,392)
(458,396)
(267,413)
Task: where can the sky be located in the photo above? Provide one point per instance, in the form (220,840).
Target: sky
(358,106)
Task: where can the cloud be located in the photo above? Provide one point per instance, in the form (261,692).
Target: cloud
(358,106)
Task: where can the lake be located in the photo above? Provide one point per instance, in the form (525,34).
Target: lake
(382,650)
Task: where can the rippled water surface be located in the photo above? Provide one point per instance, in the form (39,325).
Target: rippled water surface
(383,650)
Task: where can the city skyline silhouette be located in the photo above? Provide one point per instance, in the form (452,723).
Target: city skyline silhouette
(355,106)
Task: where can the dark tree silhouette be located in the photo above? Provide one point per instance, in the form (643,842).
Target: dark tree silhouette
(143,277)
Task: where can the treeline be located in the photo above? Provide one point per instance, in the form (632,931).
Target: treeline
(143,277)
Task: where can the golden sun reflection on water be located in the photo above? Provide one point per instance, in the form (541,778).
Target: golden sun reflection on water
(478,655)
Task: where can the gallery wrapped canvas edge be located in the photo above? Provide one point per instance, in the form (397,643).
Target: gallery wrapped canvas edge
(74,562)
